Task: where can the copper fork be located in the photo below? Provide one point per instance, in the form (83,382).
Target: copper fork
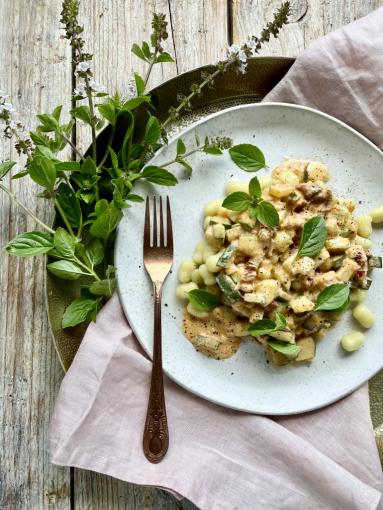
(158,260)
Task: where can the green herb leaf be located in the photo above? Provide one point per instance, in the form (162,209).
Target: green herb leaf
(43,171)
(185,164)
(140,85)
(333,297)
(252,211)
(30,243)
(181,147)
(67,166)
(103,287)
(262,327)
(19,175)
(159,175)
(48,122)
(164,57)
(108,111)
(267,214)
(248,157)
(134,102)
(82,113)
(280,321)
(134,198)
(203,300)
(313,237)
(78,311)
(70,204)
(106,223)
(214,151)
(255,188)
(5,167)
(152,130)
(291,351)
(237,201)
(94,252)
(64,243)
(65,269)
(138,52)
(88,166)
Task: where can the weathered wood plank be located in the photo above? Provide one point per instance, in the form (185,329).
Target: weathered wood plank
(309,20)
(35,69)
(197,36)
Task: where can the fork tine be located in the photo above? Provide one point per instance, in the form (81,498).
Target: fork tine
(155,241)
(161,225)
(147,225)
(169,243)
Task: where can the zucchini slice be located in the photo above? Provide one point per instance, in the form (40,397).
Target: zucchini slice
(375,261)
(225,259)
(228,287)
(308,348)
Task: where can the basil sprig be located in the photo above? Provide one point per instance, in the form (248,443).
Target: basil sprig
(252,202)
(248,157)
(334,297)
(313,237)
(267,326)
(202,300)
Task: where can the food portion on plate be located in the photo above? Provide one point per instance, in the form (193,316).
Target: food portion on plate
(282,258)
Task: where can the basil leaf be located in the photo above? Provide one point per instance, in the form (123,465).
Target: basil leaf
(138,52)
(267,214)
(255,188)
(106,223)
(78,311)
(185,164)
(159,175)
(108,111)
(252,211)
(67,166)
(43,171)
(333,297)
(237,201)
(262,327)
(291,351)
(65,269)
(64,243)
(88,166)
(5,167)
(313,237)
(140,84)
(152,130)
(212,150)
(248,157)
(164,57)
(203,300)
(94,252)
(134,102)
(181,147)
(19,175)
(82,113)
(103,287)
(134,198)
(280,321)
(146,49)
(70,204)
(30,243)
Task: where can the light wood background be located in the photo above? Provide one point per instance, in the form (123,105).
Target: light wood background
(35,68)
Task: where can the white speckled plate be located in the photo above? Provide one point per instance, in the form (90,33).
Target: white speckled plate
(245,381)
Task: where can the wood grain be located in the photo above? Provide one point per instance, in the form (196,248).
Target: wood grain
(309,20)
(35,70)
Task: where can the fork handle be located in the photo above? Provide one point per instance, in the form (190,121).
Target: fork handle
(156,433)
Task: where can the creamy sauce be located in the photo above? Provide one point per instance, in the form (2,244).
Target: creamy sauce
(214,335)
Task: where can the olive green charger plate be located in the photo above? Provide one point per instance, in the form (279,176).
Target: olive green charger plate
(230,89)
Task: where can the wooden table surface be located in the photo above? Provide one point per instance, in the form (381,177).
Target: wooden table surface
(35,68)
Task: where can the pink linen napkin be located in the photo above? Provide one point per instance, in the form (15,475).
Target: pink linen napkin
(218,458)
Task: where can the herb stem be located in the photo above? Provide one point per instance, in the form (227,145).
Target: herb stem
(25,208)
(64,218)
(187,154)
(73,146)
(92,116)
(152,62)
(106,154)
(90,270)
